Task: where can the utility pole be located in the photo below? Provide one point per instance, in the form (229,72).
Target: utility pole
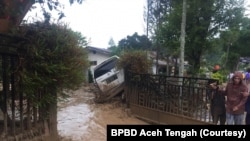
(182,37)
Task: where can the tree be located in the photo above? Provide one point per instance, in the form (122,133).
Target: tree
(59,62)
(12,12)
(135,61)
(51,67)
(243,41)
(114,49)
(111,42)
(239,46)
(182,47)
(228,39)
(155,13)
(205,20)
(135,42)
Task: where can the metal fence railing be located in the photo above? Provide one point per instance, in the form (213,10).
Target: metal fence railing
(180,96)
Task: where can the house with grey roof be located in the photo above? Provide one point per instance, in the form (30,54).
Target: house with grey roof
(96,56)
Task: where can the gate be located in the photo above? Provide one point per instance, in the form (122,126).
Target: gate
(20,119)
(169,99)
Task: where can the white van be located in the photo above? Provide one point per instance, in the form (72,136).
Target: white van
(108,78)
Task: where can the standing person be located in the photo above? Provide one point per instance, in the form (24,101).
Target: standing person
(215,75)
(247,118)
(236,91)
(218,109)
(247,75)
(247,105)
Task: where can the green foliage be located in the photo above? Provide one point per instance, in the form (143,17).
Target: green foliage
(54,5)
(55,59)
(130,43)
(111,42)
(135,42)
(218,76)
(244,39)
(135,61)
(205,21)
(115,50)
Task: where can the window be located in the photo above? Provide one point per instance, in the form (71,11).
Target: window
(93,63)
(104,67)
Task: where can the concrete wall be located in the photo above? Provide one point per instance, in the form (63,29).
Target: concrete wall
(95,56)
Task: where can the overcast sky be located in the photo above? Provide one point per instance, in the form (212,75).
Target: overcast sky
(101,20)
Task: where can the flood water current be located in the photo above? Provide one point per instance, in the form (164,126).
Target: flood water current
(81,119)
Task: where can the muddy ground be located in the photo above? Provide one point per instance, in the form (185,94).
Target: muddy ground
(81,119)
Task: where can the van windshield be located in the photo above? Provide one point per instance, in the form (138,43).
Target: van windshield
(104,68)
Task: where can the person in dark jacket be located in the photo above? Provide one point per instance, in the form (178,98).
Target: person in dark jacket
(247,105)
(218,109)
(235,92)
(247,119)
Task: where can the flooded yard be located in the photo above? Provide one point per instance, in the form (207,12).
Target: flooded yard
(81,119)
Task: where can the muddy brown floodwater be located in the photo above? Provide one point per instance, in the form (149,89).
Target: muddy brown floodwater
(81,119)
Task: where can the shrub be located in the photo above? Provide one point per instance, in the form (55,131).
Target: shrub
(135,61)
(55,58)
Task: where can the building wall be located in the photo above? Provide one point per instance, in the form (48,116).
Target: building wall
(98,57)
